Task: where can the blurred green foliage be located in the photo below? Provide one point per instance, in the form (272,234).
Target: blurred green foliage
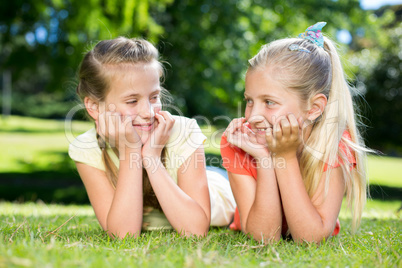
(206,43)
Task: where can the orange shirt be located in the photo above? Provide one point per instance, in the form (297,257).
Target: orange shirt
(237,161)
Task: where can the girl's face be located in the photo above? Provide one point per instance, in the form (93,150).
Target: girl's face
(267,100)
(135,91)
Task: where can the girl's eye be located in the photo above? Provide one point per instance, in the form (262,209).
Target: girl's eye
(155,98)
(131,102)
(248,101)
(269,103)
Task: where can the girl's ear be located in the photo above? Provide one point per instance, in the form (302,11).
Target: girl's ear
(92,107)
(317,104)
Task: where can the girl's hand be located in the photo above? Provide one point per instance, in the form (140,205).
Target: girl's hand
(241,136)
(118,131)
(285,138)
(159,136)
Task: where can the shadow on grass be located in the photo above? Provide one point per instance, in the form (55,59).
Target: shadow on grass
(31,131)
(49,186)
(381,192)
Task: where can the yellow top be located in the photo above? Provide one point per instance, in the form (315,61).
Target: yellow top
(185,138)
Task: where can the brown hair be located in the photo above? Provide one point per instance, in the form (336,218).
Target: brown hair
(307,74)
(94,83)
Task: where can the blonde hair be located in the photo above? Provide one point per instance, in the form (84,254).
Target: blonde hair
(94,82)
(309,74)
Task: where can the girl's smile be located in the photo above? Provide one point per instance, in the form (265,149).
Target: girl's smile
(144,127)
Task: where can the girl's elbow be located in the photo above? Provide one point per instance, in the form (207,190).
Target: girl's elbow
(195,232)
(122,235)
(317,238)
(265,238)
(317,234)
(268,234)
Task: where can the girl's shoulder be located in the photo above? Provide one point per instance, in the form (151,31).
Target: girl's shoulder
(345,153)
(86,140)
(185,138)
(183,121)
(85,149)
(185,130)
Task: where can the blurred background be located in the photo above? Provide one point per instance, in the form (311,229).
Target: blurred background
(207,45)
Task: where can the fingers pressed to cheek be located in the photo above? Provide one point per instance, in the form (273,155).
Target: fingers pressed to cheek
(229,128)
(245,129)
(277,131)
(165,114)
(157,109)
(233,126)
(269,136)
(171,120)
(285,127)
(300,121)
(238,124)
(161,119)
(294,125)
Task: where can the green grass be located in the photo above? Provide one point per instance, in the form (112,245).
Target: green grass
(36,234)
(35,144)
(385,170)
(40,235)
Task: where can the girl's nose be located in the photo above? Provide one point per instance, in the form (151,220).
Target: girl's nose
(146,110)
(256,115)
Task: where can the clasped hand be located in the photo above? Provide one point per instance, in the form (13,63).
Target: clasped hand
(285,138)
(241,136)
(119,132)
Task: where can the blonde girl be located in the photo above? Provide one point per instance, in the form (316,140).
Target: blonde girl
(143,168)
(297,151)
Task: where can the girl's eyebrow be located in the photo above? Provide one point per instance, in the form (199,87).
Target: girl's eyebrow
(156,91)
(267,96)
(136,95)
(264,96)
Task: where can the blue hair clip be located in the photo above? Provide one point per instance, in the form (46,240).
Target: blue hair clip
(313,33)
(295,47)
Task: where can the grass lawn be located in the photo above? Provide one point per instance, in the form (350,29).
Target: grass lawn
(41,235)
(38,234)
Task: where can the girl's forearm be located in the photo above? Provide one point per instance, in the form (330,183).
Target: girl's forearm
(303,219)
(185,215)
(125,214)
(264,221)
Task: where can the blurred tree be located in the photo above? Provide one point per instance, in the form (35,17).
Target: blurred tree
(380,81)
(208,43)
(42,43)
